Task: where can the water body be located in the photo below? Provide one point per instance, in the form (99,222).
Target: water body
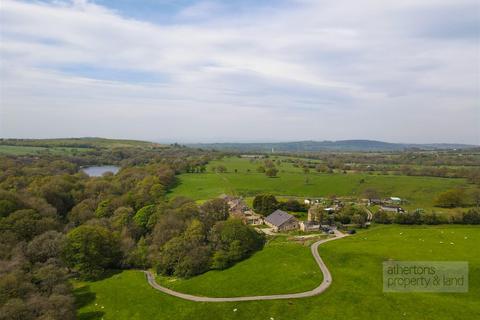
(98,171)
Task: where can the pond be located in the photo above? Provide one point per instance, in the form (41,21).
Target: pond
(98,171)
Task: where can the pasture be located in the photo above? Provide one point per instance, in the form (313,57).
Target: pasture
(289,266)
(356,292)
(242,179)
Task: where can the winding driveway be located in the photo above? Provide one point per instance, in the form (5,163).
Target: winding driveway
(327,281)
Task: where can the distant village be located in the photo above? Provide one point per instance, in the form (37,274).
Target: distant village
(282,221)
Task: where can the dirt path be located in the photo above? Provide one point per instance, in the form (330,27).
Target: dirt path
(327,281)
(369,214)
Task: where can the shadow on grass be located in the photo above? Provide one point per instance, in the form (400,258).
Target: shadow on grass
(84,297)
(93,315)
(108,273)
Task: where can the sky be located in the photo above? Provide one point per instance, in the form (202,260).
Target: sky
(241,71)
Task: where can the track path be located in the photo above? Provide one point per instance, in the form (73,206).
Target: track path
(327,281)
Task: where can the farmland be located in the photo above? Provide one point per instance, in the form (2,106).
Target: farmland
(289,265)
(19,147)
(291,181)
(356,292)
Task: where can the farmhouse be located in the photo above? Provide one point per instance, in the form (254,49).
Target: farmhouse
(235,205)
(281,221)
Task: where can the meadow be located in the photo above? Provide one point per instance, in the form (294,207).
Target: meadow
(356,292)
(289,266)
(242,179)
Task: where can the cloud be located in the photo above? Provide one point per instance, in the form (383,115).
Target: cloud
(401,71)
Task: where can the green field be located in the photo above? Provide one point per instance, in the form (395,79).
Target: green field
(356,292)
(419,191)
(70,146)
(293,270)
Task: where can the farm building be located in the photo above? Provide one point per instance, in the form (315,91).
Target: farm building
(281,221)
(252,218)
(372,202)
(395,200)
(392,209)
(309,226)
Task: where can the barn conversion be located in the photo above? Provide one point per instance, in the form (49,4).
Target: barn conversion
(281,221)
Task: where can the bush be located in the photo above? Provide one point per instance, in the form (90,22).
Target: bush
(414,217)
(472,216)
(383,217)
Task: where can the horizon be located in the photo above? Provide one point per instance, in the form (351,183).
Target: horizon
(193,142)
(241,71)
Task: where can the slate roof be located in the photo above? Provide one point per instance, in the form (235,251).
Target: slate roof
(278,217)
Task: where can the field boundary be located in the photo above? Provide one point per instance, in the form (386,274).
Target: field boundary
(327,281)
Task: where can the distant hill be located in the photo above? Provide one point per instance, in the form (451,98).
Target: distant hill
(86,142)
(318,146)
(69,146)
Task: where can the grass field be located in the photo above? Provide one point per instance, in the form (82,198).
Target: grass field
(69,146)
(356,292)
(419,191)
(289,265)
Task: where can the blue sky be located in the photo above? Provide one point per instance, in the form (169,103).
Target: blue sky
(197,71)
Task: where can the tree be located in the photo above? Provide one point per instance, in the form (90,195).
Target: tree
(82,212)
(271,172)
(233,241)
(371,193)
(186,255)
(221,169)
(451,198)
(433,218)
(293,205)
(212,211)
(104,209)
(265,204)
(6,207)
(90,250)
(46,246)
(142,217)
(472,216)
(359,220)
(321,168)
(475,194)
(382,217)
(414,217)
(27,223)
